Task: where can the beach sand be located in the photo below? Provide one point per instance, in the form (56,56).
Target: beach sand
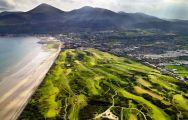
(17,88)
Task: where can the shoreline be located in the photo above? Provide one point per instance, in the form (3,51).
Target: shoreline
(24,61)
(13,69)
(17,88)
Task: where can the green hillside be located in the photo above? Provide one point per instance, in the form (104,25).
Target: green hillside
(89,84)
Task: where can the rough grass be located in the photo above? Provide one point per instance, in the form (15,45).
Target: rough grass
(165,84)
(132,117)
(143,82)
(141,91)
(77,102)
(156,113)
(49,107)
(181,102)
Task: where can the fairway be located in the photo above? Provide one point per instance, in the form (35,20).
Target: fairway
(88,84)
(182,70)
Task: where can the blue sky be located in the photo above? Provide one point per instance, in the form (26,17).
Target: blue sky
(170,9)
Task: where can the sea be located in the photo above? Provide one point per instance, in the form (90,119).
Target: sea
(15,50)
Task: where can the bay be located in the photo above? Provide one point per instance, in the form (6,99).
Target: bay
(15,50)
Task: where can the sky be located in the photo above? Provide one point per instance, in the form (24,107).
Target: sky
(169,9)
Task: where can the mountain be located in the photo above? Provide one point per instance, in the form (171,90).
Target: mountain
(92,17)
(48,19)
(45,8)
(140,17)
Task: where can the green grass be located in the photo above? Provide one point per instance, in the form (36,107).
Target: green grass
(156,113)
(163,83)
(182,70)
(50,46)
(77,102)
(143,82)
(140,90)
(49,107)
(82,82)
(181,102)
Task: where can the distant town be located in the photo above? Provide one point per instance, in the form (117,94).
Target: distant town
(156,50)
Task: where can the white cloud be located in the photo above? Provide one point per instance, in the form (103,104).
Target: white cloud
(161,8)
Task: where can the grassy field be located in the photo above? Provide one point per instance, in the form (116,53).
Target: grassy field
(89,84)
(182,70)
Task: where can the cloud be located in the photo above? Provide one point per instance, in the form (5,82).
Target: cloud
(6,5)
(161,8)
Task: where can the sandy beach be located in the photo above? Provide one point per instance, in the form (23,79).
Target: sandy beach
(18,87)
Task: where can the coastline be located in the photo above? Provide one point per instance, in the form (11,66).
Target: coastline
(17,88)
(13,69)
(23,59)
(42,41)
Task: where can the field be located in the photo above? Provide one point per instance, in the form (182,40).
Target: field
(88,84)
(182,70)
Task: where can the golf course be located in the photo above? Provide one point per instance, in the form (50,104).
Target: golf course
(86,84)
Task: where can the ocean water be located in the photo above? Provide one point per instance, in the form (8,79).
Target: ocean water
(13,50)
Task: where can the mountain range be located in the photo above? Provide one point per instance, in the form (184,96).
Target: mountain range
(48,19)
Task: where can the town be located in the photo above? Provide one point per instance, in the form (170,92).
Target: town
(155,50)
